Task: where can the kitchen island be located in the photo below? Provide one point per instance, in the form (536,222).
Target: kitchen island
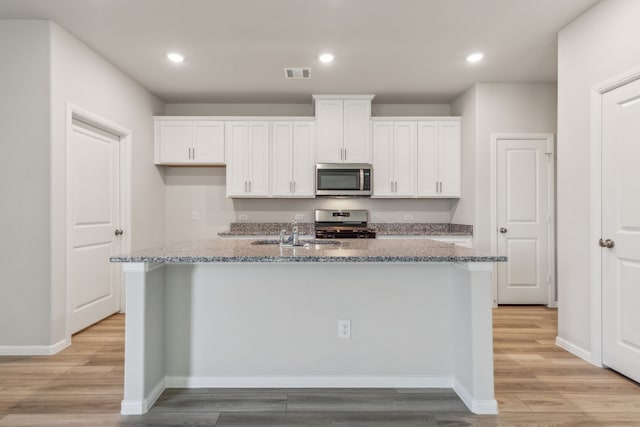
(231,313)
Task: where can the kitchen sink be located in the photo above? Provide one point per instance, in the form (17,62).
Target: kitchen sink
(303,242)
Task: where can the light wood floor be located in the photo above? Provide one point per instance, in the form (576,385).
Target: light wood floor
(536,383)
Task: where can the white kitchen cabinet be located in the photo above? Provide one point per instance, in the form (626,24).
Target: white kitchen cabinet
(247,158)
(439,158)
(394,158)
(293,159)
(189,142)
(343,129)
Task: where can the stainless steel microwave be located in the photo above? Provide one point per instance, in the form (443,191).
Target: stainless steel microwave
(343,179)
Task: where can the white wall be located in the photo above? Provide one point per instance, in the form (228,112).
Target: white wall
(496,108)
(601,44)
(464,209)
(48,68)
(25,254)
(83,78)
(204,189)
(299,109)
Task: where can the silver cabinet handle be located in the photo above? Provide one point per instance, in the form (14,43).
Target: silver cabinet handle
(345,154)
(118,232)
(391,185)
(194,153)
(607,243)
(503,230)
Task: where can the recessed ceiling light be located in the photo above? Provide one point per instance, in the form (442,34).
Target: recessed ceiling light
(175,57)
(326,58)
(475,57)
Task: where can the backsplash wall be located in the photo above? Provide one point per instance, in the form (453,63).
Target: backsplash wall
(203,190)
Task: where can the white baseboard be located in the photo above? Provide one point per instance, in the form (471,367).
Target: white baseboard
(139,407)
(307,382)
(575,350)
(481,407)
(33,350)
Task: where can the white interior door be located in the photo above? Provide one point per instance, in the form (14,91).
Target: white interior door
(621,225)
(524,209)
(94,204)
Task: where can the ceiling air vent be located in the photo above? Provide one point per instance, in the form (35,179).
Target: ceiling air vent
(297,73)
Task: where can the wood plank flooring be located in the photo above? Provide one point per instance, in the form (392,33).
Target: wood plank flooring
(536,383)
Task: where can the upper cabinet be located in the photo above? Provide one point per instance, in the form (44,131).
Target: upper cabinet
(247,159)
(343,128)
(189,142)
(416,157)
(394,159)
(439,158)
(293,159)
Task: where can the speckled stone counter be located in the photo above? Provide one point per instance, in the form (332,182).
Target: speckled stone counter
(383,229)
(351,251)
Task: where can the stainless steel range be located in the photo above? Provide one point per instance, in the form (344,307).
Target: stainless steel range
(342,224)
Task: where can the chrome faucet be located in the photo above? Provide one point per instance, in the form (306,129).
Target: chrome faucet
(294,234)
(283,236)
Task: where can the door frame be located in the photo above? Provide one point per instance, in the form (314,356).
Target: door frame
(78,113)
(597,93)
(551,192)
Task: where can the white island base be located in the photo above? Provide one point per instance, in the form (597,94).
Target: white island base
(264,325)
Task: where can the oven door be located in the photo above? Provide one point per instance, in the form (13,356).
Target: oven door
(343,179)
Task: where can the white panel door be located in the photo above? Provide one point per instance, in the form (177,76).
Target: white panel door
(175,141)
(621,225)
(449,158)
(330,122)
(94,203)
(383,156)
(304,159)
(208,142)
(404,158)
(356,139)
(523,218)
(427,159)
(282,159)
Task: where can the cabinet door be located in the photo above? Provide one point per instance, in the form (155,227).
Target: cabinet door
(259,158)
(357,140)
(428,159)
(173,141)
(208,142)
(304,159)
(449,158)
(237,145)
(330,122)
(404,158)
(282,159)
(383,159)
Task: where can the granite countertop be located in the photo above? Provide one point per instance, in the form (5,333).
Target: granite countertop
(383,229)
(354,250)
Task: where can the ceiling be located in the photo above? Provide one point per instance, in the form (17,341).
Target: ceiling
(404,51)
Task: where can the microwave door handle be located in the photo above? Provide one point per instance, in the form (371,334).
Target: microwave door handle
(361,179)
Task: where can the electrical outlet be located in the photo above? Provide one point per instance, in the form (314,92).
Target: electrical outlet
(408,217)
(243,217)
(344,329)
(298,217)
(195,216)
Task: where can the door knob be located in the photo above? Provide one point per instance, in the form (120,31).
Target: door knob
(119,232)
(607,243)
(503,230)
